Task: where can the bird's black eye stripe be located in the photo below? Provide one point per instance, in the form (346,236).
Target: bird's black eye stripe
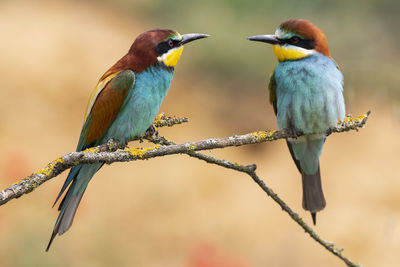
(163,47)
(300,42)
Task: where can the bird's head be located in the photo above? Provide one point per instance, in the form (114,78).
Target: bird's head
(295,39)
(163,46)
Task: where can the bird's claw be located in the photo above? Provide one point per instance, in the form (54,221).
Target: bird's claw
(152,131)
(113,145)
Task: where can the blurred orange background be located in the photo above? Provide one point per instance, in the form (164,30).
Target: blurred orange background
(179,211)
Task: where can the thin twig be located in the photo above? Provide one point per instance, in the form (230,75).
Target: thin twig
(328,245)
(251,171)
(163,121)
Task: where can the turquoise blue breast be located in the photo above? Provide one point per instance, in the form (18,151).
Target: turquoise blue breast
(141,105)
(309,94)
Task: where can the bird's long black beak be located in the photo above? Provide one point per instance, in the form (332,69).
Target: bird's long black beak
(186,38)
(268,38)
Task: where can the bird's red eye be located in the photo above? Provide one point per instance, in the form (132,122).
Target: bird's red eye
(294,40)
(170,43)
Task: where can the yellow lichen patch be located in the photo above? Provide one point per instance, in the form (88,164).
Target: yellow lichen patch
(50,167)
(263,135)
(362,117)
(192,147)
(139,152)
(349,119)
(271,133)
(91,149)
(159,118)
(259,134)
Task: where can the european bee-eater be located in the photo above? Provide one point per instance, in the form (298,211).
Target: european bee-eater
(123,106)
(306,91)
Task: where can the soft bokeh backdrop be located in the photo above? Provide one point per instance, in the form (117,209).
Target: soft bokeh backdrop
(178,211)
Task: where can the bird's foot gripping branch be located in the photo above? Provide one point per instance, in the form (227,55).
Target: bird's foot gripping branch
(115,152)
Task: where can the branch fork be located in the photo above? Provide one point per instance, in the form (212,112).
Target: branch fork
(116,152)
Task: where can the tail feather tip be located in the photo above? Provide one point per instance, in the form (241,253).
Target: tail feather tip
(314,217)
(53,235)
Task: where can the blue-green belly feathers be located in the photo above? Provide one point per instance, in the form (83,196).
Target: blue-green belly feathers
(309,100)
(141,105)
(309,94)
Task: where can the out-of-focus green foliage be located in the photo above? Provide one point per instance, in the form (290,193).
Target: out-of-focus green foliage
(362,37)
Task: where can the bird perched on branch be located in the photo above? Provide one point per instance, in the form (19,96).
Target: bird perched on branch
(123,106)
(306,91)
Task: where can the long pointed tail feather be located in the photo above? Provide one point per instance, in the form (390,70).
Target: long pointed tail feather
(68,208)
(305,154)
(69,204)
(313,196)
(72,174)
(65,219)
(314,217)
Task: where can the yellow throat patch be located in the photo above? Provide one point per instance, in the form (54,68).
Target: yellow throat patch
(171,58)
(289,53)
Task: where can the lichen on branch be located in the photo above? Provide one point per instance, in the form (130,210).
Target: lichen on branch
(115,152)
(67,161)
(112,152)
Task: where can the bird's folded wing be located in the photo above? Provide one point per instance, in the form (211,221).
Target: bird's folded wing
(272,92)
(104,105)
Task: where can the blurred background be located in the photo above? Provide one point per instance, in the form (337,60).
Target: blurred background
(175,210)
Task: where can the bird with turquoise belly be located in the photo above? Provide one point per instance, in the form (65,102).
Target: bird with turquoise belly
(306,91)
(123,106)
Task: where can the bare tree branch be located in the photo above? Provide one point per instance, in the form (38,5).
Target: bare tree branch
(115,152)
(110,152)
(67,161)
